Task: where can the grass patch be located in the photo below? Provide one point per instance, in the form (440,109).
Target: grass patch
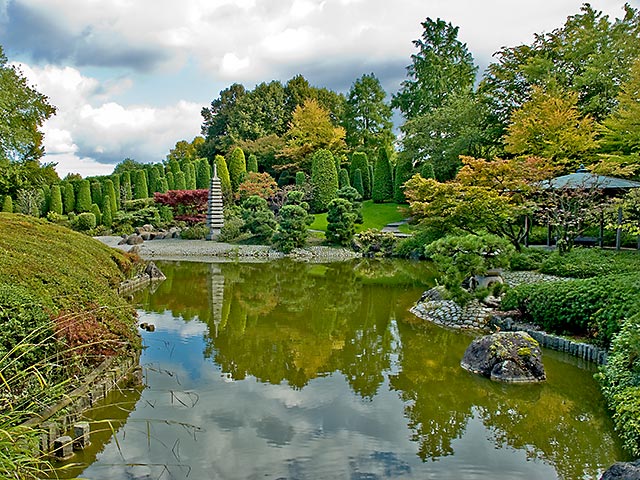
(374,215)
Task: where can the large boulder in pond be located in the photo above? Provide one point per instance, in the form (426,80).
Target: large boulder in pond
(507,357)
(623,470)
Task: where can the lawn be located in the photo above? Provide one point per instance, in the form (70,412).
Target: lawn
(375,215)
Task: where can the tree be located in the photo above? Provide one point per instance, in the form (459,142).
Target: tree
(69,198)
(357,182)
(190,176)
(96,192)
(590,55)
(125,186)
(109,191)
(382,178)
(343,178)
(96,213)
(301,178)
(83,201)
(293,221)
(341,221)
(258,219)
(404,170)
(140,189)
(55,205)
(216,119)
(620,139)
(551,126)
(367,117)
(237,168)
(427,170)
(456,127)
(107,217)
(154,181)
(324,179)
(261,184)
(171,181)
(23,111)
(179,181)
(443,67)
(223,175)
(359,161)
(311,129)
(203,173)
(116,187)
(252,163)
(127,165)
(7,204)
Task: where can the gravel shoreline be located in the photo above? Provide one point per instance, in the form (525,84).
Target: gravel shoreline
(206,251)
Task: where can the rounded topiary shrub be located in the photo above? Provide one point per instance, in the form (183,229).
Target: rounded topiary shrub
(85,221)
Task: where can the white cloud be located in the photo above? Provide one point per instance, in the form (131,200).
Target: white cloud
(90,134)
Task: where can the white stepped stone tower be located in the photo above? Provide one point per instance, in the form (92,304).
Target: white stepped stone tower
(215,214)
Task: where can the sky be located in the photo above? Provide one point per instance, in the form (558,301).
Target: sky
(130,77)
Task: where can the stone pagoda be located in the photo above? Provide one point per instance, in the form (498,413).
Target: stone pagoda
(215,214)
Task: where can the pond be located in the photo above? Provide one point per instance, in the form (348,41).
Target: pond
(288,370)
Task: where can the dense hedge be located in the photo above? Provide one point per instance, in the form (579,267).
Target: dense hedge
(595,307)
(590,262)
(620,381)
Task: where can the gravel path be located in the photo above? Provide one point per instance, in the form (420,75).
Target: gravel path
(202,250)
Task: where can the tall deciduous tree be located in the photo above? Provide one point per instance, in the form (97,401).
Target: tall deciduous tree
(367,119)
(23,110)
(311,129)
(216,119)
(441,68)
(551,126)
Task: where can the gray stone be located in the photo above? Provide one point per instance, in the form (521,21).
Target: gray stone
(623,471)
(81,435)
(145,235)
(134,240)
(134,249)
(513,357)
(154,272)
(63,447)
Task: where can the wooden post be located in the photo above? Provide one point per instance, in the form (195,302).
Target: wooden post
(619,230)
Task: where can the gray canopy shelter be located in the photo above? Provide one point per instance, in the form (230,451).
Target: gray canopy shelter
(609,186)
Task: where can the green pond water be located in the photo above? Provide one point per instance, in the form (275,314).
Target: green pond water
(288,370)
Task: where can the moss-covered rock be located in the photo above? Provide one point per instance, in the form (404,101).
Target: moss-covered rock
(513,357)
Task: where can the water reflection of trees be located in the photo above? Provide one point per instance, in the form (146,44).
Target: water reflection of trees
(292,322)
(563,425)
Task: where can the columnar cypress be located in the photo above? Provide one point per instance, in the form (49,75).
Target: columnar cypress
(154,180)
(301,178)
(343,179)
(83,202)
(252,163)
(357,182)
(404,170)
(96,192)
(223,174)
(125,186)
(382,180)
(7,204)
(68,198)
(203,173)
(109,190)
(164,187)
(237,168)
(427,170)
(189,176)
(56,200)
(359,161)
(171,181)
(107,217)
(179,181)
(324,179)
(174,166)
(96,211)
(115,178)
(140,185)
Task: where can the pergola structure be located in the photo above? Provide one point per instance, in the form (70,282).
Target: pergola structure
(583,179)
